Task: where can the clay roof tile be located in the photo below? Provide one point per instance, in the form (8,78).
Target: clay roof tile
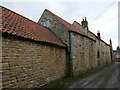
(68,25)
(18,25)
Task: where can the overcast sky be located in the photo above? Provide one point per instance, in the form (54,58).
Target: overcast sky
(102,16)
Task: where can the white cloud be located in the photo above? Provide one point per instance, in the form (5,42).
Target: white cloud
(108,25)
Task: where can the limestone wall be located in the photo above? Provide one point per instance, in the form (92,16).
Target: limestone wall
(91,35)
(78,26)
(26,63)
(100,47)
(56,26)
(82,53)
(104,53)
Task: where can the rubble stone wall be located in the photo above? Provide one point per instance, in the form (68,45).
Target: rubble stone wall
(26,63)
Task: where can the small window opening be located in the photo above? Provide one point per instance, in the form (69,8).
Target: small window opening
(98,54)
(46,23)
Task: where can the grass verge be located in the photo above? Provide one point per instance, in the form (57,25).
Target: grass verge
(65,82)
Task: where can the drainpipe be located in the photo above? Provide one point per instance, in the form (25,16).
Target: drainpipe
(70,58)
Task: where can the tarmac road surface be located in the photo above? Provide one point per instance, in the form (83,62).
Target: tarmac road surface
(107,77)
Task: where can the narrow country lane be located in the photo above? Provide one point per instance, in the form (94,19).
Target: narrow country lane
(105,78)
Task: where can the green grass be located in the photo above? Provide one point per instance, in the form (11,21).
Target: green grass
(68,81)
(57,85)
(65,82)
(75,78)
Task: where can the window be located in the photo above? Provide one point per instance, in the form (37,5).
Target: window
(46,23)
(98,54)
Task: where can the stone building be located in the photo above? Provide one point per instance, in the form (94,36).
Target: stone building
(38,53)
(103,51)
(85,50)
(31,53)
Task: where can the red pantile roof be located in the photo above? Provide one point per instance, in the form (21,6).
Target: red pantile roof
(16,24)
(68,25)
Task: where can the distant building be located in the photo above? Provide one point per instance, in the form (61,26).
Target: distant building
(116,54)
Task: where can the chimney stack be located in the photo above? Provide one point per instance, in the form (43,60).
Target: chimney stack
(98,34)
(84,23)
(110,42)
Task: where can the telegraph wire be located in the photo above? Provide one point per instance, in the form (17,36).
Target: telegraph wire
(105,10)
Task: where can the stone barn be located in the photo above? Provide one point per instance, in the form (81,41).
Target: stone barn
(81,51)
(85,50)
(31,53)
